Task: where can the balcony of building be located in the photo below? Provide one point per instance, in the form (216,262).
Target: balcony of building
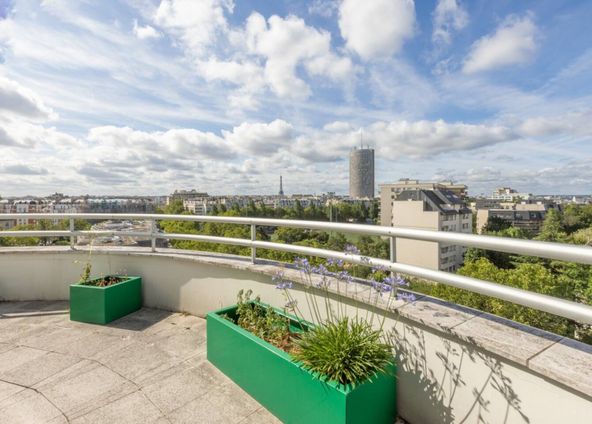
(455,364)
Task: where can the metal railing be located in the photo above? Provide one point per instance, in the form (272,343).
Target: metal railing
(571,253)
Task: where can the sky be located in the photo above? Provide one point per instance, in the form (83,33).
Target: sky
(148,96)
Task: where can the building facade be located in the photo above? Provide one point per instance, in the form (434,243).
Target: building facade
(361,173)
(390,192)
(437,210)
(528,216)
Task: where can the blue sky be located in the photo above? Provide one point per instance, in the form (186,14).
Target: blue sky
(146,96)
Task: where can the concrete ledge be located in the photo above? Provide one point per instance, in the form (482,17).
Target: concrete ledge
(197,282)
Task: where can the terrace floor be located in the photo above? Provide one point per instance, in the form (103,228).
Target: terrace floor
(149,367)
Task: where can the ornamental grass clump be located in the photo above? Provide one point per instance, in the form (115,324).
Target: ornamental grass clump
(347,351)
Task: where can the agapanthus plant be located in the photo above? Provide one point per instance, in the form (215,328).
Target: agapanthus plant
(338,346)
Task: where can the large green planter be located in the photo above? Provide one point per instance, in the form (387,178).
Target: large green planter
(288,391)
(101,305)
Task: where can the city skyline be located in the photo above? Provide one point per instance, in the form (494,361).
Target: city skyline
(145,96)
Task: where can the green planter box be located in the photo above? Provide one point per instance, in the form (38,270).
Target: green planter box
(287,390)
(101,305)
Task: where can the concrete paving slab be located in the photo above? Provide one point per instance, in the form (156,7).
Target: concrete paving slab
(234,402)
(261,416)
(84,387)
(134,408)
(9,389)
(18,356)
(38,369)
(56,339)
(180,385)
(138,361)
(27,407)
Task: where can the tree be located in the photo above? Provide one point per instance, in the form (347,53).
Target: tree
(552,229)
(532,277)
(499,259)
(495,223)
(375,211)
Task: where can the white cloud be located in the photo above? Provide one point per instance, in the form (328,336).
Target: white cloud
(287,43)
(324,8)
(376,28)
(514,42)
(197,23)
(261,138)
(176,143)
(22,169)
(18,101)
(449,16)
(248,75)
(569,124)
(145,32)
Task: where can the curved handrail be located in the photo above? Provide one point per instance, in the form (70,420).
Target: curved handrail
(568,309)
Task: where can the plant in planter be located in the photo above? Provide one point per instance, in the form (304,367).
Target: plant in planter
(104,299)
(339,368)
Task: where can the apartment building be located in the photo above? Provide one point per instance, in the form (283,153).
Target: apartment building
(185,195)
(438,210)
(509,194)
(28,206)
(198,205)
(389,192)
(527,216)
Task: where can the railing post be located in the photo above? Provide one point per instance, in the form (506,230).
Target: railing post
(72,236)
(392,251)
(253,238)
(153,235)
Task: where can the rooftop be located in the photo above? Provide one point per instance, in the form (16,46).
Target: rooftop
(454,364)
(149,367)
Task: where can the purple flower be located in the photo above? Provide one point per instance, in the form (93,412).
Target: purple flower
(395,281)
(381,287)
(344,276)
(335,262)
(278,276)
(321,269)
(280,282)
(407,297)
(284,285)
(350,249)
(365,260)
(324,272)
(303,265)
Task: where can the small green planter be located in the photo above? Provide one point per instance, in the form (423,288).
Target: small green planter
(101,305)
(287,390)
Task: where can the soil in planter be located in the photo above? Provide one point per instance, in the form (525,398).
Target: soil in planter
(265,323)
(103,282)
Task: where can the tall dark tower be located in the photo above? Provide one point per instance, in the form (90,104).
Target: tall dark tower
(281,193)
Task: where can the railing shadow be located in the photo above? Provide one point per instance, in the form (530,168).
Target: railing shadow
(437,392)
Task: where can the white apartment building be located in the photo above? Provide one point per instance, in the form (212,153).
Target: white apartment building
(27,206)
(438,210)
(390,191)
(6,207)
(509,194)
(198,206)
